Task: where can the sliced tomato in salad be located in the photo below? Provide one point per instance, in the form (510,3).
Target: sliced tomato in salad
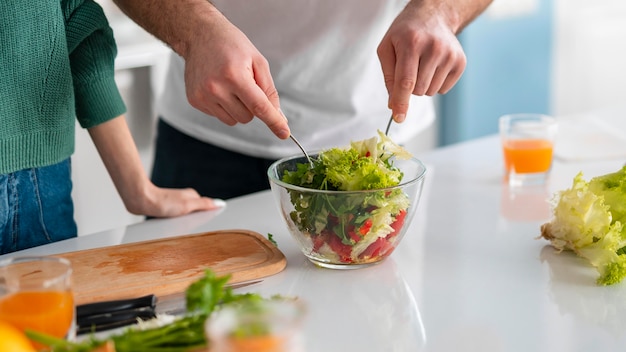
(356,237)
(343,250)
(319,240)
(397,224)
(379,248)
(366,227)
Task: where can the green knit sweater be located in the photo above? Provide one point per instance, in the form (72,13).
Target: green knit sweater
(56,65)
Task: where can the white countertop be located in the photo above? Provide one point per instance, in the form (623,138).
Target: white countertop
(469,275)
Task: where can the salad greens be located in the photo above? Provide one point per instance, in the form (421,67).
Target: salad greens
(364,165)
(185,333)
(589,219)
(353,227)
(270,237)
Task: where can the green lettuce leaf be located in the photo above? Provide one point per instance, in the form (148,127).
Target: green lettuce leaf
(588,220)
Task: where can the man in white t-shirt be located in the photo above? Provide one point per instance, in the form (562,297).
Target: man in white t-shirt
(340,69)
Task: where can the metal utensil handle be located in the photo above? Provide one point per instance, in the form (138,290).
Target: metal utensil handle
(302,149)
(388,125)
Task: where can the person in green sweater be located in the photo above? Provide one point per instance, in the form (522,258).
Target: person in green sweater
(56,67)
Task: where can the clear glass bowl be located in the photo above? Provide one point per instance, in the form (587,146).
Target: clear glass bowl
(347,229)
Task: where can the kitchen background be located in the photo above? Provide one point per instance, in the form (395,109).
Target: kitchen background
(560,57)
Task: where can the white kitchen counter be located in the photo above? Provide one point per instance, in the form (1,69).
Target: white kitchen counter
(469,275)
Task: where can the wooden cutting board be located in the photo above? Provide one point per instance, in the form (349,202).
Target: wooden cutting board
(167,266)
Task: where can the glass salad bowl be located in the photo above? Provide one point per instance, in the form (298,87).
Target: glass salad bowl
(347,229)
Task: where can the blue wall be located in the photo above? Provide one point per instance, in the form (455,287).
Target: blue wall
(508,70)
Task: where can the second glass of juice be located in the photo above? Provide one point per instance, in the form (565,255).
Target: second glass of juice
(257,326)
(36,294)
(527,146)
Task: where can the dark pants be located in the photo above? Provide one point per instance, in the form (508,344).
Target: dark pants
(182,161)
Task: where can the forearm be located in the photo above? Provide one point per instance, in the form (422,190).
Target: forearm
(236,85)
(117,150)
(456,13)
(176,23)
(119,153)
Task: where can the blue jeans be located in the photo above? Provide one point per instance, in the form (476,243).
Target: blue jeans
(36,207)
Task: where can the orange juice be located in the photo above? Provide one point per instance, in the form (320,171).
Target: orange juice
(264,343)
(527,155)
(50,312)
(257,326)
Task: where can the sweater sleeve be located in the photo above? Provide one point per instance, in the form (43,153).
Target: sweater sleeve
(92,51)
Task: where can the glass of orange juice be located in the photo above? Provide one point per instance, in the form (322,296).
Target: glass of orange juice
(257,326)
(36,294)
(527,145)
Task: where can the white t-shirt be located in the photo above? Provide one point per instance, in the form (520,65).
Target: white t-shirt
(322,56)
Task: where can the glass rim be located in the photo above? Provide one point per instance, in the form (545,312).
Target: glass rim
(527,116)
(59,275)
(23,259)
(290,313)
(273,179)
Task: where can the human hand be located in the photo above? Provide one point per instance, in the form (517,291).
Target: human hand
(227,77)
(420,54)
(140,196)
(169,202)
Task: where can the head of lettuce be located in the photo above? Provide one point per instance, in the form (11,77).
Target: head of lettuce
(589,219)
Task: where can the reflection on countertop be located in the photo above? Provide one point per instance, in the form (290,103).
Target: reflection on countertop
(382,305)
(574,290)
(525,203)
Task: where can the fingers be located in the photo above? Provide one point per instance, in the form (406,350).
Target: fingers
(176,202)
(405,78)
(264,80)
(451,80)
(263,100)
(420,70)
(245,102)
(387,57)
(436,63)
(419,55)
(427,67)
(251,95)
(225,99)
(188,200)
(236,110)
(236,84)
(449,66)
(201,204)
(224,116)
(260,105)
